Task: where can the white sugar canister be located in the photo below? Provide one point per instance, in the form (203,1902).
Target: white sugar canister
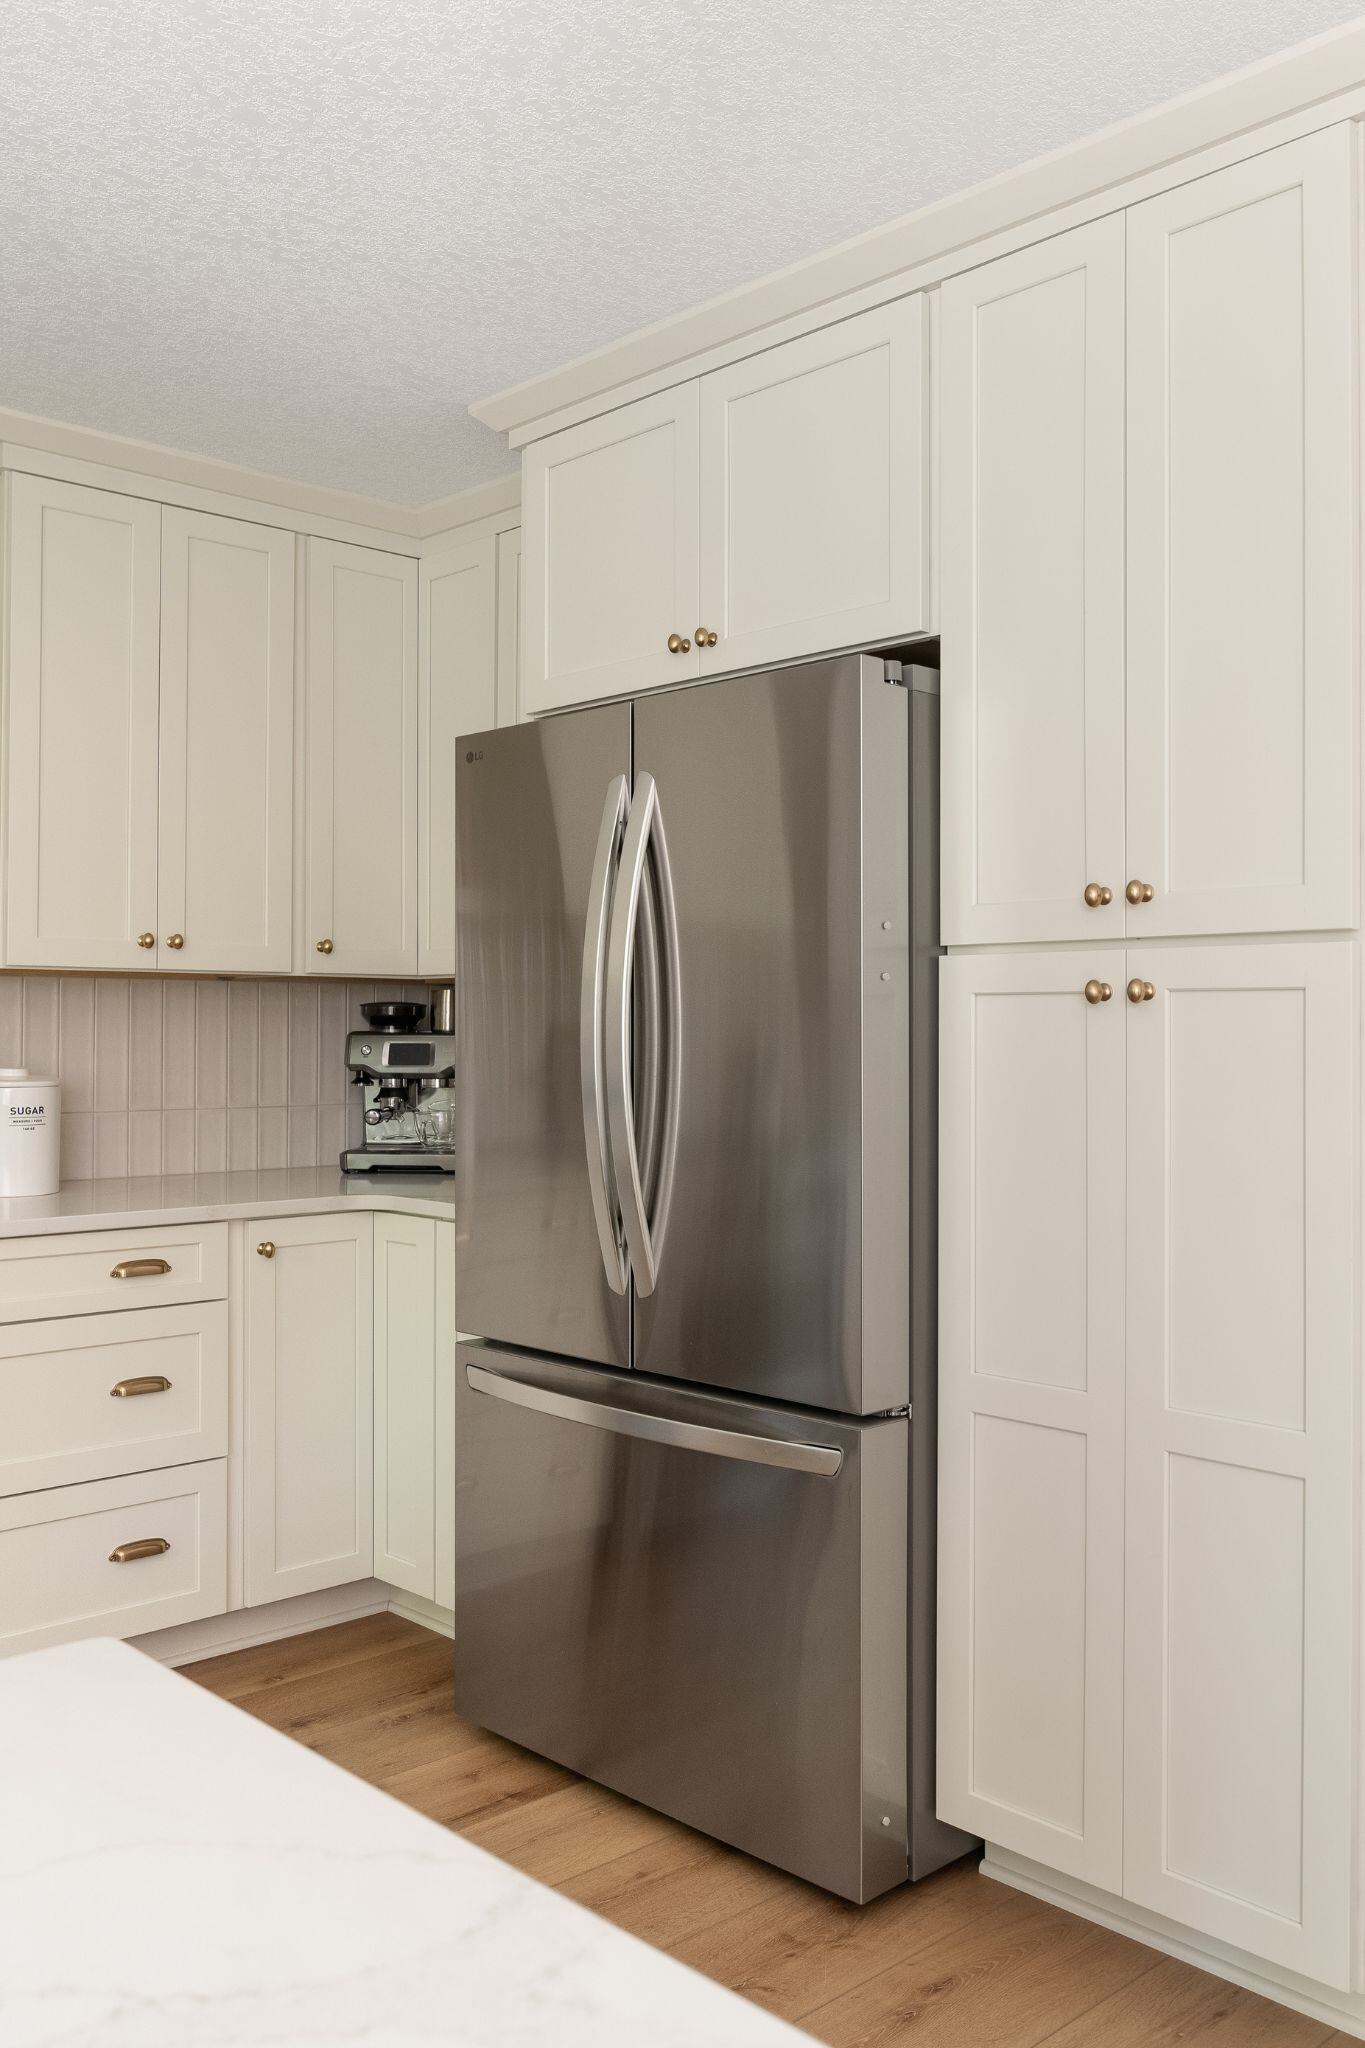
(30,1133)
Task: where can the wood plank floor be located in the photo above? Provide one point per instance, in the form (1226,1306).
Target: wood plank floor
(956,1962)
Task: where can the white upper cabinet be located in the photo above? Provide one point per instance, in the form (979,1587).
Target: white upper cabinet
(610,535)
(771,510)
(227,741)
(814,527)
(1030,1671)
(509,558)
(458,693)
(81,764)
(1242,539)
(361,894)
(1242,1586)
(1031,518)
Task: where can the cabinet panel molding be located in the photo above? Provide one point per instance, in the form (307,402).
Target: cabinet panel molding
(405,1402)
(1031,515)
(361,763)
(227,736)
(81,768)
(814,492)
(1242,664)
(1030,1676)
(1242,1367)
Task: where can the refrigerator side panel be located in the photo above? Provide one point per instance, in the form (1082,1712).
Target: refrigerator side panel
(529,808)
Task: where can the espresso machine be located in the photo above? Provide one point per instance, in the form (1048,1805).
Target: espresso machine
(405,1073)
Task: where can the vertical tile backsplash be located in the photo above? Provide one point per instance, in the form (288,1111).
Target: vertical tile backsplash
(172,1076)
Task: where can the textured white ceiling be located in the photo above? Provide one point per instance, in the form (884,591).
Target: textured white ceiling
(304,234)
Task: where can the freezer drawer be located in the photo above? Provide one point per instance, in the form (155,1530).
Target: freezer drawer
(696,1599)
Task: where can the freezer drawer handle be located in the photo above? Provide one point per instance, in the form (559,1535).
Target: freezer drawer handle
(824,1459)
(590,1036)
(644,1235)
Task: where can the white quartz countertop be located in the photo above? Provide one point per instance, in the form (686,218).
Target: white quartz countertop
(173,1873)
(149,1199)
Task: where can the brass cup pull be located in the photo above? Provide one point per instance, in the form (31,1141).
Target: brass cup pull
(144,1546)
(324,945)
(1139,892)
(1141,991)
(1096,895)
(1097,991)
(704,638)
(266,1250)
(150,1383)
(138,1269)
(176,941)
(678,644)
(146,939)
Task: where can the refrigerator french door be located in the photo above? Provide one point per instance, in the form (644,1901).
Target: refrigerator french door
(695,1175)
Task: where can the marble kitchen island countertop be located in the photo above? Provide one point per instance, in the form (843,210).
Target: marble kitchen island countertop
(174,1874)
(146,1200)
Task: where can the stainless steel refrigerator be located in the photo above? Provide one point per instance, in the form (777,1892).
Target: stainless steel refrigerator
(695,1257)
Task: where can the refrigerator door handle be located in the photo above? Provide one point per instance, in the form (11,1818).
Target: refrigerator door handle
(644,1240)
(821,1459)
(591,1037)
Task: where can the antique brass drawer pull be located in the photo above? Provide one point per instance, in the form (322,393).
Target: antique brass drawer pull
(138,1269)
(150,1383)
(145,1546)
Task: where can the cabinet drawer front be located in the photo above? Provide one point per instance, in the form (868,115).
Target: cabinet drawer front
(96,1396)
(80,1274)
(58,1576)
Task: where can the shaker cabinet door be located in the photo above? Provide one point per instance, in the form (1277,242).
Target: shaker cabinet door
(814,514)
(457,693)
(81,759)
(361,916)
(405,1456)
(309,1343)
(1241,1580)
(1031,519)
(610,535)
(1241,546)
(227,746)
(1030,1666)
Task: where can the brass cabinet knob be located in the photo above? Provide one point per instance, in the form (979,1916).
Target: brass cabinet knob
(146,939)
(142,1546)
(176,941)
(1139,892)
(266,1250)
(324,945)
(1097,991)
(1096,894)
(1141,991)
(678,644)
(705,638)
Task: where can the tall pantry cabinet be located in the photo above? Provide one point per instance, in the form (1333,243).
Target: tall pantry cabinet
(1151,1152)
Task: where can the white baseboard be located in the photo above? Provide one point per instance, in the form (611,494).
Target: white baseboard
(1344,2010)
(246,1627)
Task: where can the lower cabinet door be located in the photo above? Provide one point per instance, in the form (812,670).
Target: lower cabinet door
(1241,1595)
(115,1557)
(308,1405)
(1030,1707)
(405,1401)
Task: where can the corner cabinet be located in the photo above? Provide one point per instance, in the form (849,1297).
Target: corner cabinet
(148,781)
(1148,515)
(361,912)
(308,1489)
(1148,1361)
(771,510)
(469,593)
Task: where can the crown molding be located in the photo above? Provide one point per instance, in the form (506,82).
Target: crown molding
(1311,75)
(480,501)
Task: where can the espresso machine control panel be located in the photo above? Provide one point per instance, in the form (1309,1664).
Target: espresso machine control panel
(405,1075)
